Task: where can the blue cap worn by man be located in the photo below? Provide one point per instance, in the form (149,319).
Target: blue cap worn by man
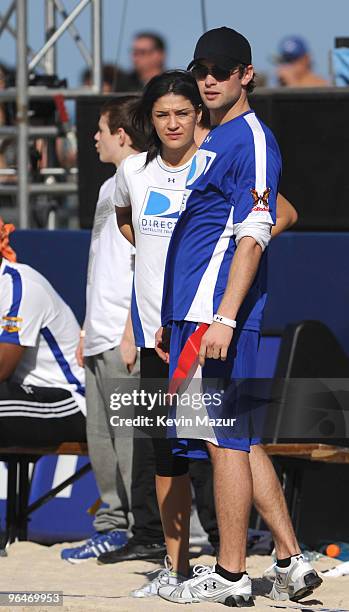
(295,64)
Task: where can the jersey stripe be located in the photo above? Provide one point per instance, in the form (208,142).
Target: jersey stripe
(53,405)
(19,412)
(260,150)
(37,409)
(61,360)
(6,336)
(201,309)
(136,320)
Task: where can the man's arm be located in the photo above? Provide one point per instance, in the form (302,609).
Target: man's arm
(10,356)
(243,269)
(252,232)
(128,348)
(286,215)
(124,219)
(79,352)
(122,202)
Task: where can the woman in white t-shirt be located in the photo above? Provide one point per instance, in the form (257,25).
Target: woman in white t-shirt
(148,197)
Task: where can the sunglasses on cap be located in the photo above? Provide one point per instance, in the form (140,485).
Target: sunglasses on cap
(200,72)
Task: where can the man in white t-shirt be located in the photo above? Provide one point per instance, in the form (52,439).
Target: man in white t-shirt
(42,393)
(107,347)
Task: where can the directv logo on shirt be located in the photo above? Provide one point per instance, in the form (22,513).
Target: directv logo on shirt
(160,211)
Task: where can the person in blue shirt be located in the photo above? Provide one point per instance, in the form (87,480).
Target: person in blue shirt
(214,295)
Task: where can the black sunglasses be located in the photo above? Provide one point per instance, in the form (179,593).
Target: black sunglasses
(200,72)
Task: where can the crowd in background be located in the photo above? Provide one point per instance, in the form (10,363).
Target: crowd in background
(148,54)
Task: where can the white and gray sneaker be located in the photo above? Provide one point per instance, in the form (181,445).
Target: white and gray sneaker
(165,577)
(207,585)
(294,582)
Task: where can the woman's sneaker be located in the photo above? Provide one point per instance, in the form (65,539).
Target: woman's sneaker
(294,582)
(95,546)
(209,586)
(164,577)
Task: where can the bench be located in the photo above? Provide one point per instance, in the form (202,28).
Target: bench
(18,484)
(292,475)
(313,452)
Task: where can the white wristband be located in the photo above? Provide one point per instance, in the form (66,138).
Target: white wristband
(82,333)
(224,320)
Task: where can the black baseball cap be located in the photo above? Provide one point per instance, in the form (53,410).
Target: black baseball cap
(223,46)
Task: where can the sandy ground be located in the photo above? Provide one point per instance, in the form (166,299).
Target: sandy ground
(89,586)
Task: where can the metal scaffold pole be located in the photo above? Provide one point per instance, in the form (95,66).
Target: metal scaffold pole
(22,114)
(20,184)
(97,45)
(50,18)
(58,33)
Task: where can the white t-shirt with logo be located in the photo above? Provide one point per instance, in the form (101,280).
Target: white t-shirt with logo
(35,316)
(155,193)
(109,279)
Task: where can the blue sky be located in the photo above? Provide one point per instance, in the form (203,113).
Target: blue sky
(264,22)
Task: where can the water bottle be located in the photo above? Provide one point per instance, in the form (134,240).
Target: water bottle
(312,555)
(338,550)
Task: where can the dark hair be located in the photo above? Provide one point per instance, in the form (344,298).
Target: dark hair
(119,114)
(178,82)
(110,74)
(159,42)
(252,84)
(205,121)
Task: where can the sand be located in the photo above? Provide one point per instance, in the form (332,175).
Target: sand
(88,586)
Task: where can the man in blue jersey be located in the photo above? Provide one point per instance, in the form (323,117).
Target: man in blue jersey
(215,281)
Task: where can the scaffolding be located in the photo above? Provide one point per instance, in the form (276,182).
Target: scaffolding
(26,62)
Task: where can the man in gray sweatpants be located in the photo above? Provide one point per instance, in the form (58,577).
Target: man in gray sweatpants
(110,456)
(107,348)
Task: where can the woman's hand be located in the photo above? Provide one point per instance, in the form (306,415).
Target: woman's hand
(162,344)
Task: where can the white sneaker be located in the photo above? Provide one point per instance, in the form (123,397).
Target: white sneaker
(164,577)
(294,582)
(207,585)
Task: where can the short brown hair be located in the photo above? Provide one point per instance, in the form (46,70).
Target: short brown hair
(158,41)
(119,112)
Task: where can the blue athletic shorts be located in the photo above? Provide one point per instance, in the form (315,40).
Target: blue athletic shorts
(239,367)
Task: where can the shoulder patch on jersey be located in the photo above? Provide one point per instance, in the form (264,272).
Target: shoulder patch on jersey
(202,161)
(260,201)
(11,324)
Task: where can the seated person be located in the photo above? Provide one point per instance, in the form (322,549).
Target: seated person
(42,393)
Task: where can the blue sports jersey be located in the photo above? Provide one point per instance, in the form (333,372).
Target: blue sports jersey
(233,180)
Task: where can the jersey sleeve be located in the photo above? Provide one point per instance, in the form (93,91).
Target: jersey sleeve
(23,310)
(256,183)
(121,194)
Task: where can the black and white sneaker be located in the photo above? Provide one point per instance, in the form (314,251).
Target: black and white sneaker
(294,582)
(207,585)
(133,551)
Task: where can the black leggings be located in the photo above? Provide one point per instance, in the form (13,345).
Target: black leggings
(154,375)
(155,455)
